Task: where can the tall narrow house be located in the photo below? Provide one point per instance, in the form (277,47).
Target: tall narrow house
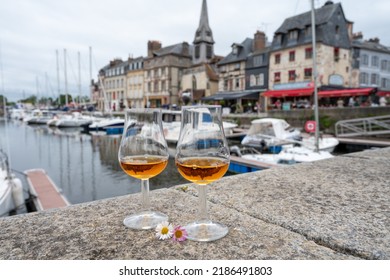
(291,61)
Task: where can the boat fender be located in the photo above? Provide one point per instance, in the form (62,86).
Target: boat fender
(17,192)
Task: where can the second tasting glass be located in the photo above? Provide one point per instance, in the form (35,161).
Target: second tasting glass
(202,157)
(143,154)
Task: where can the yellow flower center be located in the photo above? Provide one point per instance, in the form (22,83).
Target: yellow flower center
(178,234)
(164,230)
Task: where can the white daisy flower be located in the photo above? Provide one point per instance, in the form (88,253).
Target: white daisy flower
(164,230)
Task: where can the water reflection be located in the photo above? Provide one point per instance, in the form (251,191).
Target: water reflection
(84,166)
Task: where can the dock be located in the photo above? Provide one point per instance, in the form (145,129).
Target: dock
(45,192)
(241,165)
(365,142)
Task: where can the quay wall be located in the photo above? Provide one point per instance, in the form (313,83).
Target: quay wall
(332,209)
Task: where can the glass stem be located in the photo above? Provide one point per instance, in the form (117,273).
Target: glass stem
(203,213)
(145,194)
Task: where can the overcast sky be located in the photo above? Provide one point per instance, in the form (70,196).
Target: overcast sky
(32,30)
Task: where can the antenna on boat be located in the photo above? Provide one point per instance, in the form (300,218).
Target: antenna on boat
(316,117)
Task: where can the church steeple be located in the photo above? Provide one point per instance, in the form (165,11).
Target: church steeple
(203,42)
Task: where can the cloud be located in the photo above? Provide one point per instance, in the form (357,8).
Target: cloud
(31,31)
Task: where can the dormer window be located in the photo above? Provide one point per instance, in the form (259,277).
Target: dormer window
(293,35)
(278,39)
(235,49)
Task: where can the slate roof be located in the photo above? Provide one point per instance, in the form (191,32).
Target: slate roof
(245,48)
(173,49)
(372,46)
(322,16)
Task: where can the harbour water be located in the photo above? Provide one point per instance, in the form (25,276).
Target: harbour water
(84,166)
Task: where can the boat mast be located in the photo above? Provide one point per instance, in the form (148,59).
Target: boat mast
(66,80)
(316,117)
(79,78)
(58,79)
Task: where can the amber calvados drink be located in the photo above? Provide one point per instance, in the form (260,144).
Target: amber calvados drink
(143,154)
(202,157)
(202,171)
(142,167)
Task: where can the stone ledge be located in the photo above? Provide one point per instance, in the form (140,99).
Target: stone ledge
(333,209)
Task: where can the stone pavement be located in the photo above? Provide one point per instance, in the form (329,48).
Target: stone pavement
(332,209)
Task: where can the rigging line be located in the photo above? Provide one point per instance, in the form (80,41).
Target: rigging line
(4,110)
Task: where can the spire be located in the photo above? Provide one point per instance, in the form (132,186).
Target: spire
(203,42)
(204,33)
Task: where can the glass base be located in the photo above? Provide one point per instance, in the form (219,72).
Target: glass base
(145,220)
(206,231)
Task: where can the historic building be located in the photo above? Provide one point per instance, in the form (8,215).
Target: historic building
(163,70)
(291,55)
(370,63)
(135,84)
(112,82)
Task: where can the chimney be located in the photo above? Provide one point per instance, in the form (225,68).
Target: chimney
(259,41)
(152,47)
(374,40)
(186,48)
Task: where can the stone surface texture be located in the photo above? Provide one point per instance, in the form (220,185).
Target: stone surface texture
(332,209)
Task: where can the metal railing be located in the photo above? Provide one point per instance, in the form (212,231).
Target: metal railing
(363,126)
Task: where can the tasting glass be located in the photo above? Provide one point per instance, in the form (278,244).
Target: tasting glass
(202,156)
(143,154)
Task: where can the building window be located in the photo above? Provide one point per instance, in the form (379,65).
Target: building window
(385,83)
(194,85)
(374,79)
(291,75)
(277,77)
(374,61)
(308,31)
(277,58)
(291,56)
(278,39)
(309,53)
(237,83)
(336,54)
(384,65)
(293,36)
(156,86)
(252,80)
(197,51)
(260,80)
(364,59)
(225,84)
(258,60)
(363,78)
(308,73)
(209,51)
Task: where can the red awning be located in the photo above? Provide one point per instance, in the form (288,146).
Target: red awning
(289,92)
(383,93)
(345,92)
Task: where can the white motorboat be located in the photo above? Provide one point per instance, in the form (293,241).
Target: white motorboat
(104,123)
(11,189)
(267,132)
(270,133)
(73,120)
(290,155)
(327,144)
(38,116)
